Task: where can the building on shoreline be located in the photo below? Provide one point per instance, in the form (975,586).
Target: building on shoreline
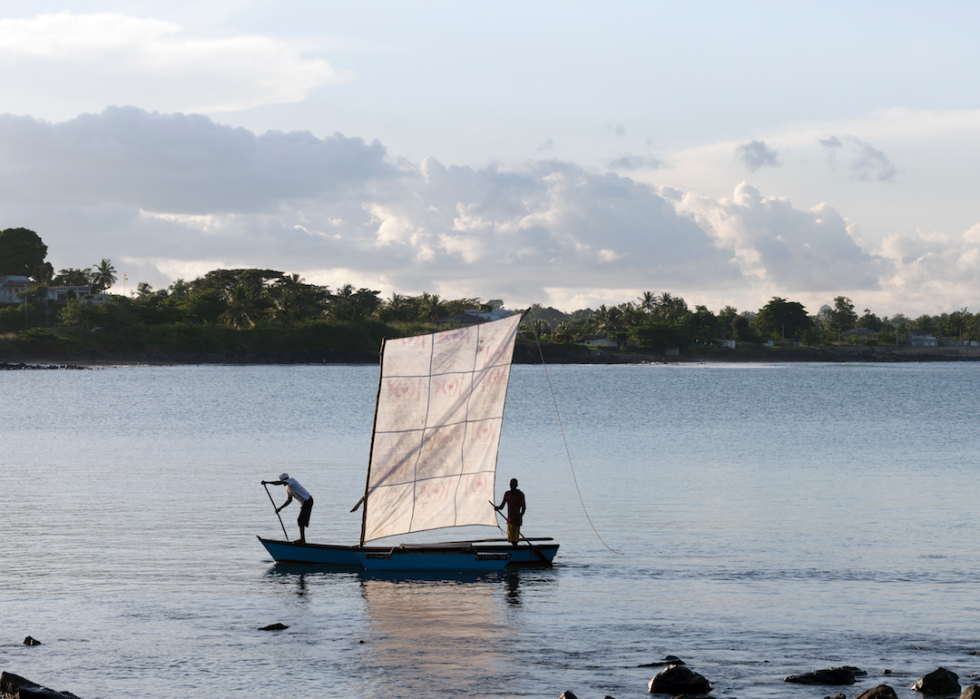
(13,285)
(860,334)
(920,338)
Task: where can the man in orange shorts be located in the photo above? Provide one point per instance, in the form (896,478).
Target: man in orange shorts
(514,499)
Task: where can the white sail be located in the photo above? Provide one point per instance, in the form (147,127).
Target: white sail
(437,427)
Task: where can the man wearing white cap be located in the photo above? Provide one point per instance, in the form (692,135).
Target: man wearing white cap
(295,490)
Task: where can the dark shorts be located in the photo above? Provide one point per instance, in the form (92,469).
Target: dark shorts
(304,513)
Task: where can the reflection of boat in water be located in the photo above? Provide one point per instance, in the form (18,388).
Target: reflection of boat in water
(433,459)
(436,637)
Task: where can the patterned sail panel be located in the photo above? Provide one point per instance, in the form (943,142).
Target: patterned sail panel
(437,429)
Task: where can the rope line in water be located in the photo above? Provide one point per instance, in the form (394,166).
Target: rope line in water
(568,452)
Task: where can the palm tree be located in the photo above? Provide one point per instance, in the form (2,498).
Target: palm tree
(143,290)
(430,307)
(178,287)
(609,321)
(283,306)
(563,333)
(342,306)
(104,276)
(398,307)
(648,301)
(240,308)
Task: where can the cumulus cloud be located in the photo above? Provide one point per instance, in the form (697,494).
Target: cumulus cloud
(934,267)
(546,223)
(785,247)
(174,189)
(86,59)
(756,155)
(181,194)
(863,161)
(176,163)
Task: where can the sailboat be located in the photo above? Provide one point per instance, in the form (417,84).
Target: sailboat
(433,459)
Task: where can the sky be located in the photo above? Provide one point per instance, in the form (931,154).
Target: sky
(570,154)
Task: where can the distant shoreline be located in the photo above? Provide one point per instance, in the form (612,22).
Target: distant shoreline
(523,354)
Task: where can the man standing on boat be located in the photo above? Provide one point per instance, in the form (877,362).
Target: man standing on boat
(295,490)
(514,499)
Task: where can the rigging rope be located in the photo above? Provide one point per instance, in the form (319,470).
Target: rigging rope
(567,450)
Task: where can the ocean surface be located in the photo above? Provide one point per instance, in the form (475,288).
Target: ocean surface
(761,521)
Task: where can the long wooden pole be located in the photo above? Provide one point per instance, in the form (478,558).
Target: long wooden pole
(374,427)
(276,509)
(534,548)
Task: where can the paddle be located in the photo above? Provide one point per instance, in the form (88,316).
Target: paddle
(276,509)
(534,548)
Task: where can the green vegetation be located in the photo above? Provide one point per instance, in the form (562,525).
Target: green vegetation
(22,252)
(264,310)
(659,322)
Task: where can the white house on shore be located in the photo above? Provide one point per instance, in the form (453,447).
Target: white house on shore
(12,285)
(920,338)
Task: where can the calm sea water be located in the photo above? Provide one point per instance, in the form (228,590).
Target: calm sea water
(767,520)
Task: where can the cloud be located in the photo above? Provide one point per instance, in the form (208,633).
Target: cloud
(636,162)
(934,268)
(176,163)
(181,194)
(784,247)
(179,191)
(864,161)
(546,223)
(756,154)
(86,60)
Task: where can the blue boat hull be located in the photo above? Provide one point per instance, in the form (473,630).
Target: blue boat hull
(456,556)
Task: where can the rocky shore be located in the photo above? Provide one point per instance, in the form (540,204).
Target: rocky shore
(6,366)
(676,680)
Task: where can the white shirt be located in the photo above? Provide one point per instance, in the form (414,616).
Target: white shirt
(296,490)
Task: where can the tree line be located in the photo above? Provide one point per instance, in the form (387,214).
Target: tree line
(243,299)
(665,320)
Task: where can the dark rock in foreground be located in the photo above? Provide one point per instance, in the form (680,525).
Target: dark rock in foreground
(274,627)
(678,679)
(831,676)
(568,695)
(31,641)
(971,692)
(16,687)
(939,681)
(882,691)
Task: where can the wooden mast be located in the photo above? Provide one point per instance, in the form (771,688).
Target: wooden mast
(374,427)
